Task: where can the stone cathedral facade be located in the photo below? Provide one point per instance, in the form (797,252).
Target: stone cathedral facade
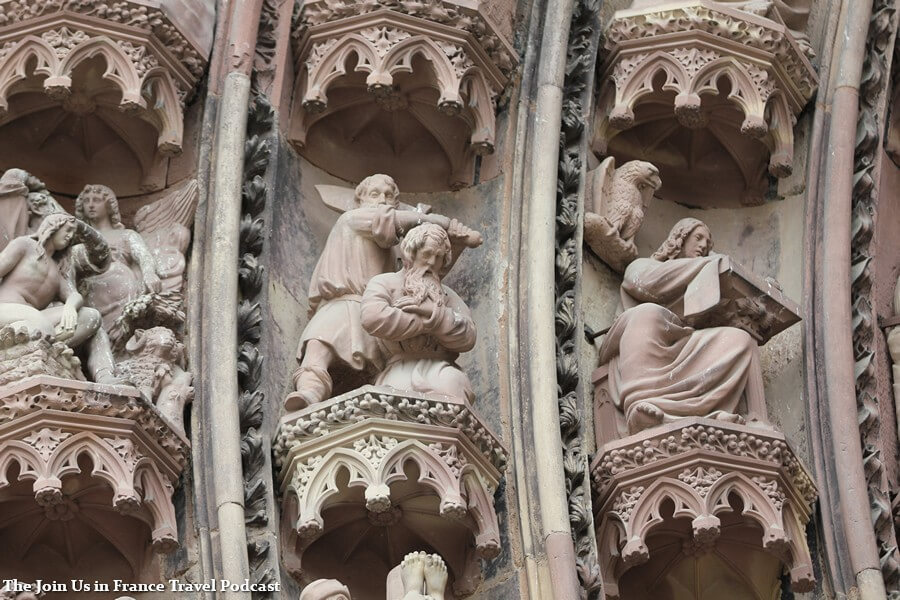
(445,299)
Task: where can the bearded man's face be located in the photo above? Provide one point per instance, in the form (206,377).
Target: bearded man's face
(423,275)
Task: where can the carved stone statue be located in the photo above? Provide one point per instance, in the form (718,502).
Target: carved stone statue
(325,589)
(664,363)
(155,365)
(132,269)
(420,576)
(358,248)
(422,324)
(618,198)
(24,202)
(32,279)
(141,287)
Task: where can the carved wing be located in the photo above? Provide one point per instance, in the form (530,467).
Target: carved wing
(601,185)
(165,226)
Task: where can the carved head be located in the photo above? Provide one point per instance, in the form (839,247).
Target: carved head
(681,242)
(159,342)
(96,202)
(427,247)
(641,174)
(58,227)
(377,189)
(325,589)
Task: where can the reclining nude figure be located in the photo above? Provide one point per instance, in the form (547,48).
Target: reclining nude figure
(663,365)
(358,248)
(31,279)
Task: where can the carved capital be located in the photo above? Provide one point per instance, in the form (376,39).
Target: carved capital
(148,59)
(468,62)
(695,50)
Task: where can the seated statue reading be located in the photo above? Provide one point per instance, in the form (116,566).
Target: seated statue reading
(662,365)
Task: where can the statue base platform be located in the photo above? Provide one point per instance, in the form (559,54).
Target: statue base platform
(373,474)
(90,466)
(704,491)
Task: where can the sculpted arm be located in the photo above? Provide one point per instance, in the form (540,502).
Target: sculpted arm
(382,320)
(10,256)
(648,280)
(452,324)
(145,260)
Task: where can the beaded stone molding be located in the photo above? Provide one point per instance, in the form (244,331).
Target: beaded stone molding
(369,439)
(700,465)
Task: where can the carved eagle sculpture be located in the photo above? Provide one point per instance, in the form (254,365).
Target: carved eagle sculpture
(619,197)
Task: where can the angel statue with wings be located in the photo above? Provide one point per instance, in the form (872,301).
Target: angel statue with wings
(141,285)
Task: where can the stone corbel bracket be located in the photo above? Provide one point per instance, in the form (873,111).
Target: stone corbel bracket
(471,62)
(47,424)
(372,434)
(692,46)
(148,61)
(697,465)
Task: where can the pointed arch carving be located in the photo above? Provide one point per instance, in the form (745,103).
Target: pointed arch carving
(457,460)
(700,478)
(385,44)
(698,46)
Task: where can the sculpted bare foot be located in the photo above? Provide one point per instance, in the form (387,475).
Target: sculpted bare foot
(645,415)
(435,576)
(412,573)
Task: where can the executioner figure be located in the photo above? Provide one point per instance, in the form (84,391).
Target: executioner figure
(357,249)
(422,323)
(31,279)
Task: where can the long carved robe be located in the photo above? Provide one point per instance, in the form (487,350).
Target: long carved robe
(656,358)
(417,360)
(357,249)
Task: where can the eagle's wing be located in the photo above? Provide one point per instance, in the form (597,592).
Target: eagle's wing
(600,180)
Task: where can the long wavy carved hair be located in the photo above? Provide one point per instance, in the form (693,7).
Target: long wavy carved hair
(49,226)
(112,204)
(671,248)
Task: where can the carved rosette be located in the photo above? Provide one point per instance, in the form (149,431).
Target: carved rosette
(469,60)
(691,48)
(701,467)
(148,61)
(372,439)
(52,428)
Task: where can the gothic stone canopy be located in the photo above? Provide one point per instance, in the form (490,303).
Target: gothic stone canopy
(735,80)
(419,81)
